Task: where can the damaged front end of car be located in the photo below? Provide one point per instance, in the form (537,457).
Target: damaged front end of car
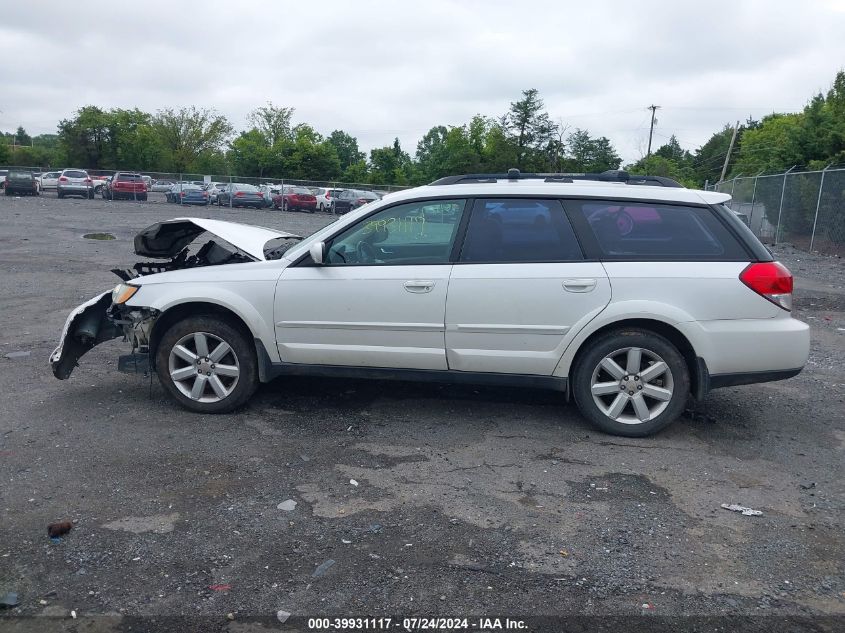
(100,320)
(108,315)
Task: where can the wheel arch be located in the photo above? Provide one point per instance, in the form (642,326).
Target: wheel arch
(180,311)
(699,378)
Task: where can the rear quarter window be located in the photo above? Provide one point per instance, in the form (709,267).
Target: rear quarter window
(643,231)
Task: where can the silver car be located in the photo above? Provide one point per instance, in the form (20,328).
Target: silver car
(75,182)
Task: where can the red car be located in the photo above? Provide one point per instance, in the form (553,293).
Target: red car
(125,185)
(295,198)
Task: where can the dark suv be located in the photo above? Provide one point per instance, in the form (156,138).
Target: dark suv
(126,185)
(350,199)
(21,181)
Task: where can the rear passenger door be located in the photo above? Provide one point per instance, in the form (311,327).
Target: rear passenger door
(520,289)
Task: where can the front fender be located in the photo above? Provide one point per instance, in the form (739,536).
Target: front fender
(618,313)
(250,302)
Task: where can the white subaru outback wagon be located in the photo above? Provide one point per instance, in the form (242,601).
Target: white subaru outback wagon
(628,293)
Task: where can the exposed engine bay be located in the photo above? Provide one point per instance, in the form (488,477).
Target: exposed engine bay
(209,254)
(176,242)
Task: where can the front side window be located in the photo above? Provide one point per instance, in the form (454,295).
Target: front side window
(519,230)
(402,235)
(631,230)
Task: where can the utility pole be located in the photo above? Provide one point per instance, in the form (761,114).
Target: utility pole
(653,109)
(728,155)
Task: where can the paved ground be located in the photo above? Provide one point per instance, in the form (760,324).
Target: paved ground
(469,500)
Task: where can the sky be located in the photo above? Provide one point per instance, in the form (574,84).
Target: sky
(380,70)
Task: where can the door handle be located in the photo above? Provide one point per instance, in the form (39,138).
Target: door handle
(579,285)
(419,286)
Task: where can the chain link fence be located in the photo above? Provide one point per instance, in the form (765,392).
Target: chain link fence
(803,208)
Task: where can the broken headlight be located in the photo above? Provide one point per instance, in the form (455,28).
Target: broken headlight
(122,293)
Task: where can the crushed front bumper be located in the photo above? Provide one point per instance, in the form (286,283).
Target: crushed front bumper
(97,321)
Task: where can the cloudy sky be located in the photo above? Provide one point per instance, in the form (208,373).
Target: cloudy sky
(385,69)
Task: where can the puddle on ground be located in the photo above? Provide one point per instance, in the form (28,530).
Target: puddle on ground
(99,236)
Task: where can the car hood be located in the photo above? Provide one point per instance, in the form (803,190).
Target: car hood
(166,239)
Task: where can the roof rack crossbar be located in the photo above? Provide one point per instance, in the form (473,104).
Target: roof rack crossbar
(614,175)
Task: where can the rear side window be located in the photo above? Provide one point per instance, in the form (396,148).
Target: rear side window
(519,230)
(649,231)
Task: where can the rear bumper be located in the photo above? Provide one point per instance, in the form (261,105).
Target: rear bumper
(749,347)
(21,188)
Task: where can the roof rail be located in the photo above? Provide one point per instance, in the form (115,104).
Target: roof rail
(613,175)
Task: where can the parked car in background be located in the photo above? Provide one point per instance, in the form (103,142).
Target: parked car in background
(3,174)
(350,199)
(324,196)
(161,186)
(75,182)
(99,183)
(295,198)
(214,188)
(270,191)
(125,185)
(241,195)
(49,179)
(21,182)
(191,194)
(176,188)
(147,181)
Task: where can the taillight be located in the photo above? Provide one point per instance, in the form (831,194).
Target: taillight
(771,280)
(61,179)
(238,194)
(183,193)
(362,201)
(204,194)
(87,181)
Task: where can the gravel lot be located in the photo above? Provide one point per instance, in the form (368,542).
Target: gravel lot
(469,500)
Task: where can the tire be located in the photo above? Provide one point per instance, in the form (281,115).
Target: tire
(142,197)
(322,207)
(8,193)
(98,188)
(671,386)
(239,360)
(60,195)
(91,195)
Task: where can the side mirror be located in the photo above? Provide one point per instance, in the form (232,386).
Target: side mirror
(318,252)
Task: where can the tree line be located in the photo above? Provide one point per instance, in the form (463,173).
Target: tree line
(202,141)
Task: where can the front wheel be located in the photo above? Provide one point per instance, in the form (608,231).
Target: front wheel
(207,364)
(631,382)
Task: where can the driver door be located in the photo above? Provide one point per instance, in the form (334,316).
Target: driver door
(379,300)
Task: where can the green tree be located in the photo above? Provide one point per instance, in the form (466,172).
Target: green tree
(390,166)
(587,154)
(21,137)
(187,133)
(531,130)
(5,153)
(83,139)
(272,122)
(346,147)
(251,155)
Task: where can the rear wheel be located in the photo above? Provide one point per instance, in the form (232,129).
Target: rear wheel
(207,364)
(59,194)
(631,382)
